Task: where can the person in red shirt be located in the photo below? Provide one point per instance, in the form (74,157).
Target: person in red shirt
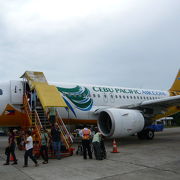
(10,149)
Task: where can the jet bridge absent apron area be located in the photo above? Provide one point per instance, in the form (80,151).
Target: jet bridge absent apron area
(46,96)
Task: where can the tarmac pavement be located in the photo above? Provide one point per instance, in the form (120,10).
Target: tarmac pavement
(138,159)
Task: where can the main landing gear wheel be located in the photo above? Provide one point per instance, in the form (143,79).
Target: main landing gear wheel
(146,134)
(150,134)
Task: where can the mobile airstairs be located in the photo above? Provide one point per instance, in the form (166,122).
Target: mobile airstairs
(36,112)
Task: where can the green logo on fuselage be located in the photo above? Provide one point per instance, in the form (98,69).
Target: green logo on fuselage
(79,96)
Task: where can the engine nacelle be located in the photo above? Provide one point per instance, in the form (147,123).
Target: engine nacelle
(120,122)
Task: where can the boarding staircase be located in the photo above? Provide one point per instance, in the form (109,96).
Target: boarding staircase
(43,117)
(38,117)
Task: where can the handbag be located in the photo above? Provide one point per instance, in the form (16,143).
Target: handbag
(7,150)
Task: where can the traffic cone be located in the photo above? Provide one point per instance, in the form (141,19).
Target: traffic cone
(11,158)
(115,150)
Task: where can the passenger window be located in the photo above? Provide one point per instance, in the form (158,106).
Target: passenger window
(98,96)
(116,96)
(119,96)
(111,96)
(137,97)
(105,96)
(94,95)
(124,97)
(134,97)
(127,97)
(1,92)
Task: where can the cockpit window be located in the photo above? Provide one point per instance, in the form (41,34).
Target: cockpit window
(1,92)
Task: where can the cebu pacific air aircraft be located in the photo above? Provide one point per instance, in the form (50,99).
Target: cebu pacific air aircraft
(117,111)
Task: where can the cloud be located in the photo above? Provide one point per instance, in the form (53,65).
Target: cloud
(99,42)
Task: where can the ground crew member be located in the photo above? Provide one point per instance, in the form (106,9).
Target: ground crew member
(86,140)
(96,145)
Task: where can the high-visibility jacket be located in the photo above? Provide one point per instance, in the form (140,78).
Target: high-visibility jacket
(86,134)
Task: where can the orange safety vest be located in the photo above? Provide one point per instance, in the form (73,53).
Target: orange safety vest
(86,134)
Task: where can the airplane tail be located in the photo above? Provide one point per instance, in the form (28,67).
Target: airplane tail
(175,88)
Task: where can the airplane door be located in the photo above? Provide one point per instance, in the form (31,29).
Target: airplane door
(16,92)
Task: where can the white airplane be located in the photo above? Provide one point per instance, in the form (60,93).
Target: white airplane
(117,111)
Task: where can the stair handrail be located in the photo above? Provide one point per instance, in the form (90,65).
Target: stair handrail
(63,125)
(38,124)
(26,102)
(64,137)
(27,108)
(29,112)
(64,129)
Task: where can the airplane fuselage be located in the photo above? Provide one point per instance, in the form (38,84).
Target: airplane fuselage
(82,100)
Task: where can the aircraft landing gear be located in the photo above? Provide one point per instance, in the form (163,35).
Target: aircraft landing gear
(146,134)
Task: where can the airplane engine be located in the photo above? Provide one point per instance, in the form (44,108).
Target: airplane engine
(117,123)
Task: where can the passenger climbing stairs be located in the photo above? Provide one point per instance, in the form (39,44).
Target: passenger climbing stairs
(37,118)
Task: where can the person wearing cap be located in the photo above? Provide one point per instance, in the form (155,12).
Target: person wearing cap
(44,145)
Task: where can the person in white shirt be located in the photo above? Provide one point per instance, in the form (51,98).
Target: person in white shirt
(29,150)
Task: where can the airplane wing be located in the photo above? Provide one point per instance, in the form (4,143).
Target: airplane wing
(165,102)
(156,106)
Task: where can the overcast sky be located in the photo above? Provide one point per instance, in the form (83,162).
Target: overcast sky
(128,43)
